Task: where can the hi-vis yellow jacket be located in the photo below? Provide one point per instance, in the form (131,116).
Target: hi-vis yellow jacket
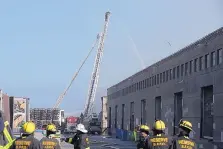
(7,139)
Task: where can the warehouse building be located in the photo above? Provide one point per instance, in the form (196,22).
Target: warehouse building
(187,84)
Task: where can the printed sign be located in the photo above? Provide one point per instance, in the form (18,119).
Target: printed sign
(20,107)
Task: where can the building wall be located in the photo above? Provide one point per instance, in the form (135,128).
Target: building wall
(5,106)
(142,86)
(104,113)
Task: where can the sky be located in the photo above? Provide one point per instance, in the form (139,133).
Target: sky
(42,43)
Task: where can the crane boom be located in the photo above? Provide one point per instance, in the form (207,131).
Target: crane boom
(95,74)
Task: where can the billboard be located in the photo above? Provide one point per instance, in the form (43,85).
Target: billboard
(20,107)
(72,119)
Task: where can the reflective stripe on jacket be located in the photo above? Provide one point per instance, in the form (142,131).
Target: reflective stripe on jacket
(7,134)
(80,141)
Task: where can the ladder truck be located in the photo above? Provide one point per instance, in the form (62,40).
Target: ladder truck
(95,74)
(89,106)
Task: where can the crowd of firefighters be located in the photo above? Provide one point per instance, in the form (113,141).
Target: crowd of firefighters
(27,139)
(157,139)
(148,139)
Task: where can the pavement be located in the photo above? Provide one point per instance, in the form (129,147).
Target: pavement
(99,142)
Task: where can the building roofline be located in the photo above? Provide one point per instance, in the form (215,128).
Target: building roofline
(191,46)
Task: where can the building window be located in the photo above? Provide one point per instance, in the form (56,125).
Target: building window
(158,107)
(171,71)
(186,69)
(178,71)
(182,70)
(161,78)
(219,56)
(178,110)
(140,85)
(110,118)
(155,79)
(191,66)
(213,59)
(164,77)
(207,61)
(143,111)
(201,63)
(167,75)
(132,116)
(195,65)
(150,81)
(207,116)
(147,82)
(123,115)
(158,78)
(174,72)
(116,116)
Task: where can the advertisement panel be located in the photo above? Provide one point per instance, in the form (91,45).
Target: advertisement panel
(72,119)
(20,112)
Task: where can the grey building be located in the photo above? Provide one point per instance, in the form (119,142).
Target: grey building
(187,84)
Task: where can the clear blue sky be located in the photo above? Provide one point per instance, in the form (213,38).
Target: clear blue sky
(42,43)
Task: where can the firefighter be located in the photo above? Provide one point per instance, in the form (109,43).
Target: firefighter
(27,140)
(159,140)
(182,140)
(143,137)
(49,142)
(80,139)
(6,137)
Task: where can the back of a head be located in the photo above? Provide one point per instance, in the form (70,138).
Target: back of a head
(50,129)
(159,126)
(186,126)
(144,128)
(81,128)
(28,127)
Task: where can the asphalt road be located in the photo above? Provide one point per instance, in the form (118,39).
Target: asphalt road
(99,142)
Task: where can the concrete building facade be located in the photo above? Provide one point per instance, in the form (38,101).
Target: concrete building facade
(187,84)
(104,113)
(5,107)
(4,102)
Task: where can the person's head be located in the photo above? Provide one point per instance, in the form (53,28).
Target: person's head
(81,129)
(28,128)
(185,127)
(144,130)
(159,127)
(50,129)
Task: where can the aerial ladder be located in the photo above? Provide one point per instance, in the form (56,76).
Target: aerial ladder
(89,105)
(95,74)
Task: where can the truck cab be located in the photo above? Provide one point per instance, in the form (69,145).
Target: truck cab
(94,127)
